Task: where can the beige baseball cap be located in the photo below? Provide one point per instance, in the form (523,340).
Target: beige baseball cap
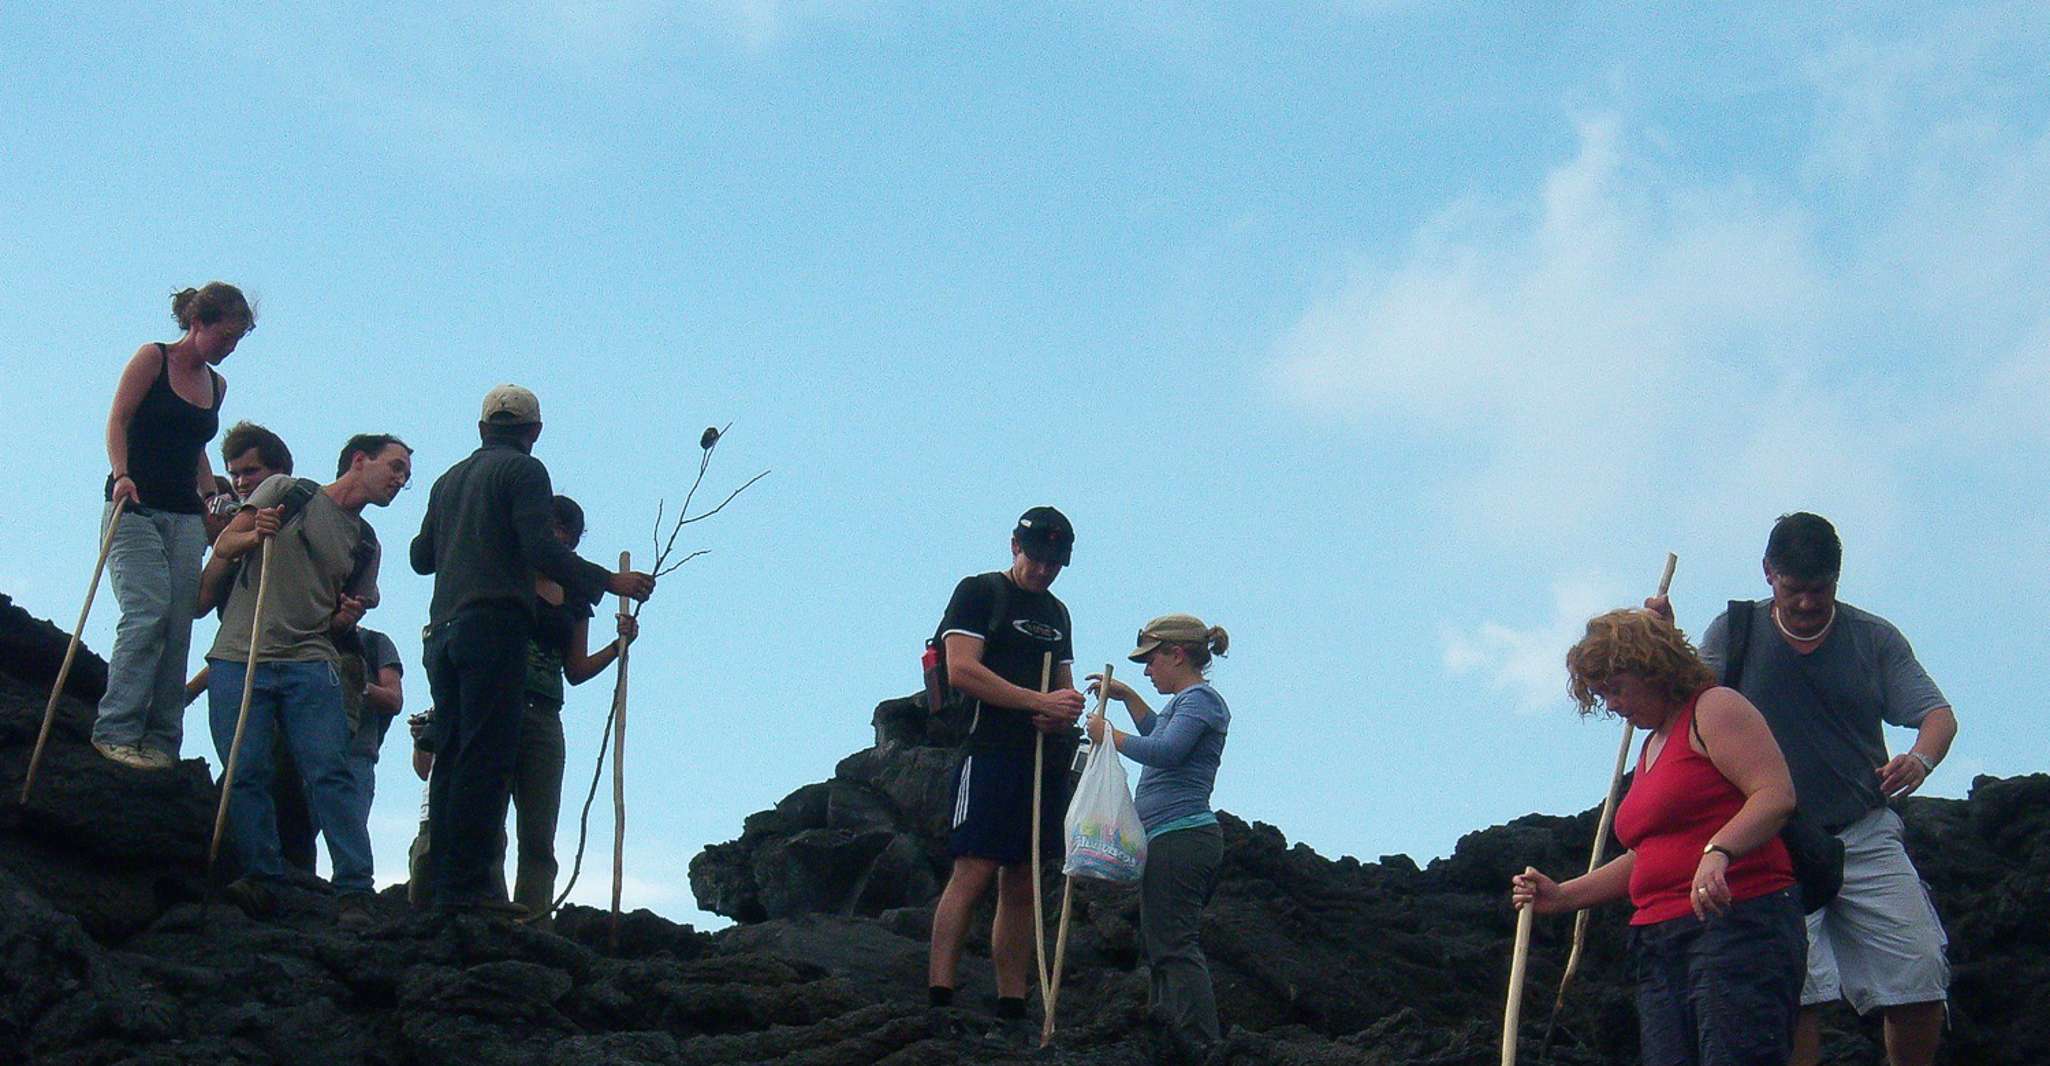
(511,405)
(1169,629)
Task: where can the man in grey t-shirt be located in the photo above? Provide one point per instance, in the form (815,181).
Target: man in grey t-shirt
(1828,677)
(320,578)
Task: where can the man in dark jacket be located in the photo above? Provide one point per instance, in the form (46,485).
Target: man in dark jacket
(485,535)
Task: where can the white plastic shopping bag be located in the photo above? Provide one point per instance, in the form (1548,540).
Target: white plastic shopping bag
(1105,837)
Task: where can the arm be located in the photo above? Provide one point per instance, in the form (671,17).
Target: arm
(212,582)
(204,478)
(1609,883)
(1167,747)
(421,552)
(247,530)
(966,672)
(1739,743)
(135,382)
(1911,699)
(1142,715)
(386,693)
(580,666)
(1904,773)
(361,595)
(1063,682)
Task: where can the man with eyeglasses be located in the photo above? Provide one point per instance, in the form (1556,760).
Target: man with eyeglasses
(322,578)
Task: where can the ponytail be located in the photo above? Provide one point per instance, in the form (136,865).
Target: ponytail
(210,303)
(1214,642)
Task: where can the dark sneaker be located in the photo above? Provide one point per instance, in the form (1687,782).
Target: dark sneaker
(948,1023)
(1021,1033)
(352,912)
(252,897)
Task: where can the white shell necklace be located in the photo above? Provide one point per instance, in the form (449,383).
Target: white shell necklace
(1797,638)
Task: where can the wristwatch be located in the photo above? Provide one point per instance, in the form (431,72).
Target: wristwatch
(1712,846)
(1928,764)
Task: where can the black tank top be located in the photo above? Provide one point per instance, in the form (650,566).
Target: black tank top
(165,438)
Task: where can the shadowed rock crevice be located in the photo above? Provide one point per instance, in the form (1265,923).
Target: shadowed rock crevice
(107,956)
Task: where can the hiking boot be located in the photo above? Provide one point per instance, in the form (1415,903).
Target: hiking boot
(352,912)
(252,897)
(1013,1033)
(126,754)
(157,758)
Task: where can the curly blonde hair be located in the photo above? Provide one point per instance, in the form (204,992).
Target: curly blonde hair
(1635,642)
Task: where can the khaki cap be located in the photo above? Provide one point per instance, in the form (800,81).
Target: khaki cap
(1169,629)
(511,405)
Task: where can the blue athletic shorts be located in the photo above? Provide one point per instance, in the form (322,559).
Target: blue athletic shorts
(993,805)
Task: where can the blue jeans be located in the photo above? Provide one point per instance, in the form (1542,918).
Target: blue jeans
(477,669)
(304,700)
(153,566)
(363,786)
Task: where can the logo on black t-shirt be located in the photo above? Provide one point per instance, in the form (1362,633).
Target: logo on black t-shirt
(1036,630)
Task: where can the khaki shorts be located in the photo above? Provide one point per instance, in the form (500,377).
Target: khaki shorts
(1879,943)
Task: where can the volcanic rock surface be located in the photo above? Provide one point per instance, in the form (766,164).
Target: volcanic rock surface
(107,954)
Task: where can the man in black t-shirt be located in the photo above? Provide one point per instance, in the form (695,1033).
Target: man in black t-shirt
(998,667)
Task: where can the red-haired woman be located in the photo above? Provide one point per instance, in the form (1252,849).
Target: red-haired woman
(1718,943)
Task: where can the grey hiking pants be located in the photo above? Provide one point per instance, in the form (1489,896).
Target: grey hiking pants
(154,566)
(1181,873)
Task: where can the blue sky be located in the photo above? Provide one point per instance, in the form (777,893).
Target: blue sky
(1397,338)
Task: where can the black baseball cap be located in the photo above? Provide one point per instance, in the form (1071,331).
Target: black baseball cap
(1045,536)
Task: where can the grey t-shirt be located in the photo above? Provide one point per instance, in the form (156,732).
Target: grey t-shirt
(312,558)
(367,726)
(1826,707)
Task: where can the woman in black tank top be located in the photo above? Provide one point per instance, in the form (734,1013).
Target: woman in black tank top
(166,408)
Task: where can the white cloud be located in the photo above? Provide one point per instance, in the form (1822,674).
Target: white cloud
(1610,344)
(1633,344)
(1528,665)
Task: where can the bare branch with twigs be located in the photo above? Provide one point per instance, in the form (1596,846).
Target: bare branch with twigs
(664,548)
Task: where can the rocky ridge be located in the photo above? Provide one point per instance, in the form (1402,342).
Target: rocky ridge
(108,955)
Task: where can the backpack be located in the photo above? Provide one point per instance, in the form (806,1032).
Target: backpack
(297,495)
(1817,855)
(939,694)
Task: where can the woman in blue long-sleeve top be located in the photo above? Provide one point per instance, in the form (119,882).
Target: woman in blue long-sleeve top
(1179,749)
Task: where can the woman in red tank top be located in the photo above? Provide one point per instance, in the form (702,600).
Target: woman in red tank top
(1718,942)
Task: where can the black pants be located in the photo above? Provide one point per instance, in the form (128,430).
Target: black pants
(476,668)
(1725,992)
(1180,875)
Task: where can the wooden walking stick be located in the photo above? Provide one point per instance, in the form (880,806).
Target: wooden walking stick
(213,850)
(35,758)
(1038,899)
(1512,1013)
(1060,940)
(1594,859)
(619,770)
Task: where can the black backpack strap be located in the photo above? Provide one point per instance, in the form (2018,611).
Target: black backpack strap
(1737,623)
(999,602)
(365,551)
